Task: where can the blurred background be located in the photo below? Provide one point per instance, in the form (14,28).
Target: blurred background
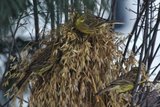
(26,22)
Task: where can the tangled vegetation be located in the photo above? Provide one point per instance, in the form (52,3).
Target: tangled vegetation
(71,68)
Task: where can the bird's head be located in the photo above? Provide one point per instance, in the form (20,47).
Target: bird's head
(81,19)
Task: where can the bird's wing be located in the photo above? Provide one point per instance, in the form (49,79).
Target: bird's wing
(120,82)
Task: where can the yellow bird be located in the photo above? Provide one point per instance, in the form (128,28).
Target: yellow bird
(119,86)
(82,26)
(124,83)
(88,23)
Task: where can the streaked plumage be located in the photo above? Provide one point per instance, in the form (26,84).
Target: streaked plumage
(124,83)
(88,23)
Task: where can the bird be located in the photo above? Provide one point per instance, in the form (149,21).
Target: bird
(82,26)
(124,83)
(17,78)
(88,23)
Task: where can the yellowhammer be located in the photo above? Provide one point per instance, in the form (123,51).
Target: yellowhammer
(88,23)
(124,83)
(82,26)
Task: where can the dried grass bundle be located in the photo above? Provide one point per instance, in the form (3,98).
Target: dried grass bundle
(71,69)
